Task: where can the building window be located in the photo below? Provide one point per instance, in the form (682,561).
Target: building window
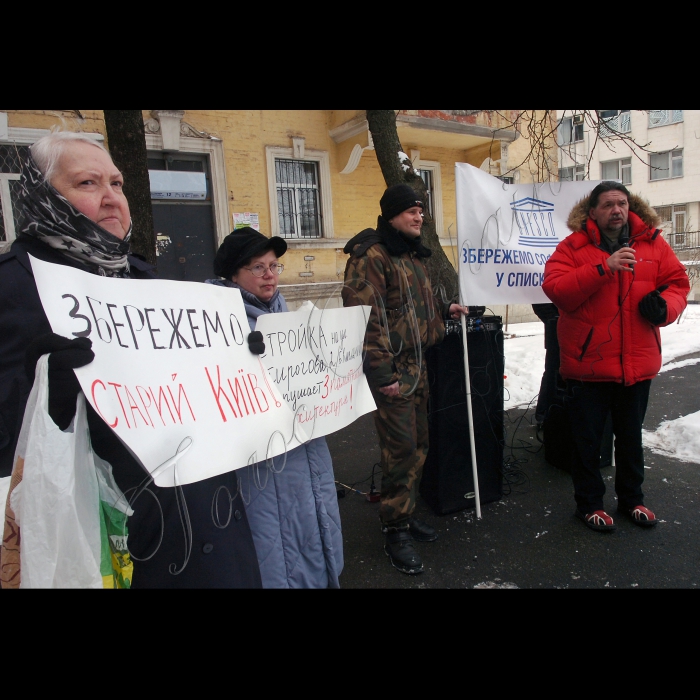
(617,170)
(427,177)
(679,212)
(577,172)
(614,121)
(673,222)
(506,178)
(11,157)
(668,164)
(298,200)
(661,117)
(570,130)
(299,189)
(431,175)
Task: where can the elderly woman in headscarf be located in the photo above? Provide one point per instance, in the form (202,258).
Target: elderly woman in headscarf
(73,212)
(293,509)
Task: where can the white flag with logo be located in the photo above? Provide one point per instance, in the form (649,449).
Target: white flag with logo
(506,233)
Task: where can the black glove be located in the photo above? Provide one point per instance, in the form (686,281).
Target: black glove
(64,356)
(653,306)
(255,343)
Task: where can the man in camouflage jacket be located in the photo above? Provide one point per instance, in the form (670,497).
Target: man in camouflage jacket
(386,271)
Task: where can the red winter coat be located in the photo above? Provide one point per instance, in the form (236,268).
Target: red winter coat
(602,335)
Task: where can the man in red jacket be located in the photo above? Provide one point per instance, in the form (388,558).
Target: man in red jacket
(615,280)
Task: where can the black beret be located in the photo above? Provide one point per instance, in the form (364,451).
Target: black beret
(242,245)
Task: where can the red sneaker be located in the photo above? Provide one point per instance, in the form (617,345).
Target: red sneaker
(640,515)
(597,520)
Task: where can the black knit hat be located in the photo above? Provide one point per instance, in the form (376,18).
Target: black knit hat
(396,199)
(242,245)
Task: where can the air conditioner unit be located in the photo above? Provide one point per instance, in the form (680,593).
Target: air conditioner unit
(578,118)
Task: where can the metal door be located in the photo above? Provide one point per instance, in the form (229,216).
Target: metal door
(185,233)
(185,240)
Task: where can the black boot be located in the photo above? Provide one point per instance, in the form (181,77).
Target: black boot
(398,546)
(420,531)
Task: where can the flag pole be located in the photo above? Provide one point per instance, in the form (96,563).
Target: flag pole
(467,380)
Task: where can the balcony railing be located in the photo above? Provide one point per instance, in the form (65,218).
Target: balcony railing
(688,240)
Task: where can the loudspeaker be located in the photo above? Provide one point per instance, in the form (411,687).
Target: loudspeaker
(447,484)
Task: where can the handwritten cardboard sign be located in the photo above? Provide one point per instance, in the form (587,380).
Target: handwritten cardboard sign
(172,374)
(314,359)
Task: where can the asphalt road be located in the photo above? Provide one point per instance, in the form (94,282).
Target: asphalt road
(530,538)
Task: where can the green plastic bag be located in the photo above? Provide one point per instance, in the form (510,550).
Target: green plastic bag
(116,566)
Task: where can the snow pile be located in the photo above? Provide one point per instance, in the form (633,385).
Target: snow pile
(682,338)
(524,350)
(524,365)
(678,438)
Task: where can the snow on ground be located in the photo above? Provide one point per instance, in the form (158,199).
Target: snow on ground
(678,438)
(524,364)
(524,350)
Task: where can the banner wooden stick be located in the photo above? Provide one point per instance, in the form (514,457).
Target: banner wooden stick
(467,381)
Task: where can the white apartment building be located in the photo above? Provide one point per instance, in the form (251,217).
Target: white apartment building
(663,166)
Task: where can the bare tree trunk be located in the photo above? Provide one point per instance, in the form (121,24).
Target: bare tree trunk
(127,145)
(382,126)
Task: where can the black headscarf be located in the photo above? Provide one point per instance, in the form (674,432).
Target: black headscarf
(49,216)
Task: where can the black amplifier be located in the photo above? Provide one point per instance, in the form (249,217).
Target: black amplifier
(489,323)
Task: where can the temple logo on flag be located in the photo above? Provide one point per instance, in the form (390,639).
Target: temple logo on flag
(535,222)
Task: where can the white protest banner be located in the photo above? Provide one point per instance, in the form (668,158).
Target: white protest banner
(314,358)
(506,234)
(172,374)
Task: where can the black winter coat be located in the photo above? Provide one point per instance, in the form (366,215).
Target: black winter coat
(220,557)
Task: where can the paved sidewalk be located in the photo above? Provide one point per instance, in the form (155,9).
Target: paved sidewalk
(530,539)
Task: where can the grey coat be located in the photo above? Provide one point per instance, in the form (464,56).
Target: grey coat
(293,514)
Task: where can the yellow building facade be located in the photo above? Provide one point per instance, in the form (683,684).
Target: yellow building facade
(248,156)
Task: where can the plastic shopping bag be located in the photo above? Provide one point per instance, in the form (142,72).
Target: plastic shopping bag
(61,508)
(116,566)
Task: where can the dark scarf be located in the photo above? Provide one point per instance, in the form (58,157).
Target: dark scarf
(394,241)
(612,245)
(48,216)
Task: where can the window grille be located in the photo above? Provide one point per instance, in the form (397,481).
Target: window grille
(614,121)
(664,213)
(427,177)
(661,117)
(298,198)
(674,223)
(11,157)
(679,212)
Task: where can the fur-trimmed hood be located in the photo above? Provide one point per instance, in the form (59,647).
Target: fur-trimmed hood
(638,205)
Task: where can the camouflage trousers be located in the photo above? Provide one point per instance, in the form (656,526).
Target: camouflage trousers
(402,428)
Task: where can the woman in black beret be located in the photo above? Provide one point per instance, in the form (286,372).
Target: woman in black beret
(293,513)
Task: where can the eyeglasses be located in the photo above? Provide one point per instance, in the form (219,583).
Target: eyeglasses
(260,269)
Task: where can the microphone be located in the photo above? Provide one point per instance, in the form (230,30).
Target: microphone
(624,242)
